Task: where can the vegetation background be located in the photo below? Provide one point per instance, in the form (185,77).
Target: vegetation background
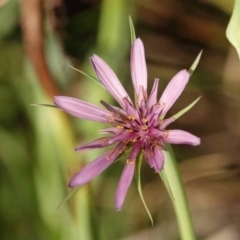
(38,39)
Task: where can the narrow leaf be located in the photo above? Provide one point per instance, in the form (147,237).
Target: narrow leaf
(164,178)
(195,63)
(75,190)
(139,162)
(233,28)
(85,74)
(43,105)
(186,109)
(132,30)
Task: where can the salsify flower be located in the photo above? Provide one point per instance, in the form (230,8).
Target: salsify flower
(140,127)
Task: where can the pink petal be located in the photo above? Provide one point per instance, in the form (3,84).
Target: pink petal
(130,110)
(81,109)
(166,122)
(174,90)
(91,170)
(181,137)
(113,109)
(153,95)
(156,160)
(124,183)
(109,79)
(95,167)
(156,133)
(153,116)
(98,143)
(122,136)
(112,130)
(138,65)
(127,176)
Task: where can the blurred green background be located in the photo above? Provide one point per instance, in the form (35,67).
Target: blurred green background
(38,39)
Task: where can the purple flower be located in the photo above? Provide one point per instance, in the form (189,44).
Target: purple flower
(141,128)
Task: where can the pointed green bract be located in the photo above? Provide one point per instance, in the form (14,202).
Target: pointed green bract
(85,74)
(43,105)
(233,29)
(186,109)
(139,163)
(75,190)
(132,30)
(195,63)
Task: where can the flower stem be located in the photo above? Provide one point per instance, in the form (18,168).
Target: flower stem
(173,182)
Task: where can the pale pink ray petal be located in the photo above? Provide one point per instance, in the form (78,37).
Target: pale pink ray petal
(153,95)
(166,122)
(122,136)
(138,65)
(181,137)
(112,130)
(156,159)
(127,176)
(156,133)
(174,90)
(124,183)
(81,109)
(109,79)
(142,101)
(96,167)
(98,143)
(154,115)
(116,110)
(130,110)
(91,170)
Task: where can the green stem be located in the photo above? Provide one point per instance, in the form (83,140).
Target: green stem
(173,182)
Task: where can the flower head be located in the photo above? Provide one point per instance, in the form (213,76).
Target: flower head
(141,128)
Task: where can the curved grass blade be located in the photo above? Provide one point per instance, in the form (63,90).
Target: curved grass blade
(74,191)
(166,183)
(139,162)
(85,74)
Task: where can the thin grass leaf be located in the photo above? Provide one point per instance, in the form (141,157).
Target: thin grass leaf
(132,30)
(74,191)
(186,109)
(164,178)
(140,188)
(85,74)
(174,185)
(43,105)
(195,63)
